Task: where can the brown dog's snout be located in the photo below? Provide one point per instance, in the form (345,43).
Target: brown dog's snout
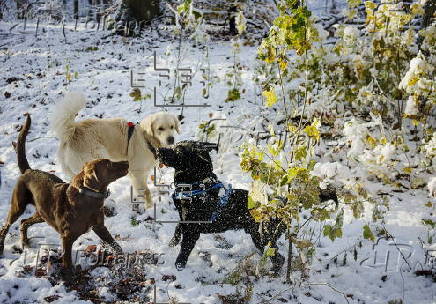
(170,140)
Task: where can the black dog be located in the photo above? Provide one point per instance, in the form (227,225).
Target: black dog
(197,198)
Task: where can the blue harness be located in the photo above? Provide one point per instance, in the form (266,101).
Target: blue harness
(223,200)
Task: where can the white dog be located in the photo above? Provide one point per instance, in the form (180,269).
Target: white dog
(82,141)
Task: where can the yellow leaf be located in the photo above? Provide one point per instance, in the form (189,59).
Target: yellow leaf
(416,9)
(301,244)
(312,130)
(283,64)
(407,170)
(271,252)
(370,5)
(271,97)
(371,141)
(412,81)
(292,128)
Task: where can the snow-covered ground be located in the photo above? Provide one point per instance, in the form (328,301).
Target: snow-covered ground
(100,66)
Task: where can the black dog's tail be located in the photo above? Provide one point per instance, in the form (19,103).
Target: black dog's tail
(20,147)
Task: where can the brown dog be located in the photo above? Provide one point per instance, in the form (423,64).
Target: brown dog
(71,209)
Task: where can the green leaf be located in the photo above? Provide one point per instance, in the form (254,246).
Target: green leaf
(197,14)
(429,222)
(136,94)
(184,7)
(233,95)
(300,152)
(327,230)
(251,203)
(367,233)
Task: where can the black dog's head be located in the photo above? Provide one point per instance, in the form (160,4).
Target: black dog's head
(190,159)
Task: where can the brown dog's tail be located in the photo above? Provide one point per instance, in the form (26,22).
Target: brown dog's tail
(20,147)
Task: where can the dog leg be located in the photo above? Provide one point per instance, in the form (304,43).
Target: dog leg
(25,224)
(20,197)
(277,260)
(275,229)
(147,195)
(188,243)
(106,237)
(176,237)
(67,245)
(139,183)
(252,230)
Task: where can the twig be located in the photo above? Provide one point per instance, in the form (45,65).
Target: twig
(36,138)
(12,27)
(63,30)
(277,295)
(395,244)
(333,288)
(37,26)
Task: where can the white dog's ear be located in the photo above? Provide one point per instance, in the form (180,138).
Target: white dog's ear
(177,124)
(147,125)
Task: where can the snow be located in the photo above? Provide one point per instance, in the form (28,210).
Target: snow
(351,34)
(432,186)
(103,76)
(411,107)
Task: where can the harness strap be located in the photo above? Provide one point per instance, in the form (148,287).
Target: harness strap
(221,203)
(131,126)
(188,194)
(152,149)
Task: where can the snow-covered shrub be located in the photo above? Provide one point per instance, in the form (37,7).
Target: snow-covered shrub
(420,84)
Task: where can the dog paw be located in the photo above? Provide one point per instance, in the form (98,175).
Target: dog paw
(66,274)
(117,248)
(180,266)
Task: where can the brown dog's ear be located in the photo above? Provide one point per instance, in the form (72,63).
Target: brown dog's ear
(90,179)
(14,144)
(177,124)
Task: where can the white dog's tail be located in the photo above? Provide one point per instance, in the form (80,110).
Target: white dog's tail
(62,119)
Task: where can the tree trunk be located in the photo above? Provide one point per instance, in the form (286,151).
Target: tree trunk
(76,9)
(21,8)
(137,10)
(142,10)
(131,15)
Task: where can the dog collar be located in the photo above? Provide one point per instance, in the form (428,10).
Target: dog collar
(92,193)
